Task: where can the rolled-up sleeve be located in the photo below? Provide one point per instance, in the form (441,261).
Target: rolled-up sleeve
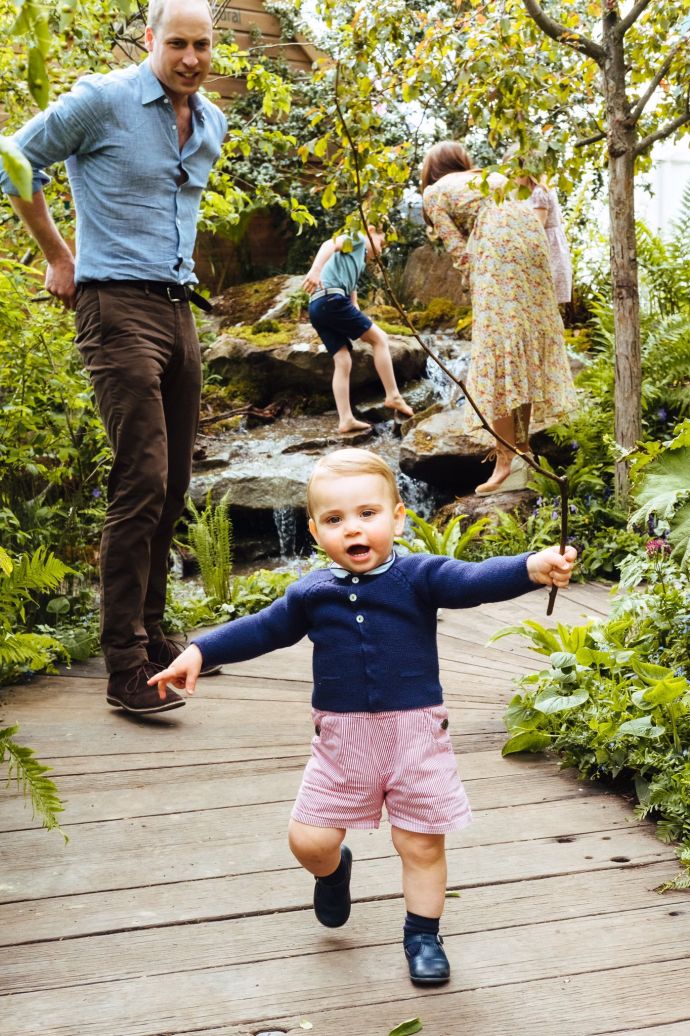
(68,126)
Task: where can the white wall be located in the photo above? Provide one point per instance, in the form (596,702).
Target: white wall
(668,178)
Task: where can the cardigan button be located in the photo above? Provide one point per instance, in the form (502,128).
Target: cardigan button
(355,579)
(360,618)
(353,597)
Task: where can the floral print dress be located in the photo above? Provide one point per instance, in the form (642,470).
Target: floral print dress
(518,346)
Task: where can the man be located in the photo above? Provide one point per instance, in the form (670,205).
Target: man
(139,144)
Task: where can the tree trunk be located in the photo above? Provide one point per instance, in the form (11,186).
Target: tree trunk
(626,300)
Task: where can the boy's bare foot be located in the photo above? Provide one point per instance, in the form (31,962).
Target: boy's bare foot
(398,404)
(353,426)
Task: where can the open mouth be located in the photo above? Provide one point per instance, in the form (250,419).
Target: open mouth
(357,550)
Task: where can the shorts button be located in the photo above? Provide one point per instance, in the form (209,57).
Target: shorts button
(360,618)
(444,724)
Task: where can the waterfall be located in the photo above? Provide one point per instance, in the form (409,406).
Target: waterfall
(286,526)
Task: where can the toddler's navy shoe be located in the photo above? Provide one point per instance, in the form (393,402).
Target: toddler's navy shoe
(332,902)
(427,959)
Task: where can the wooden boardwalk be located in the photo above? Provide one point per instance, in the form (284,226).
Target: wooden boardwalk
(176,907)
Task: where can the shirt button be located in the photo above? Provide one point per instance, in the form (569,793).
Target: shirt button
(353,597)
(360,618)
(355,579)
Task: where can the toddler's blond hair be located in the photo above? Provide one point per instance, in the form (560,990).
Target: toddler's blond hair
(352,461)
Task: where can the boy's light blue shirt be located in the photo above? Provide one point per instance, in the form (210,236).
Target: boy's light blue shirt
(117,134)
(344,269)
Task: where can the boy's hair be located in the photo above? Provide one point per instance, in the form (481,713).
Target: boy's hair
(352,461)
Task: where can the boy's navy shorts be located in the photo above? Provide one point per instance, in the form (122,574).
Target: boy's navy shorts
(337,321)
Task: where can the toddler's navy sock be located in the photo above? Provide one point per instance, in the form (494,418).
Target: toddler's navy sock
(416,924)
(339,874)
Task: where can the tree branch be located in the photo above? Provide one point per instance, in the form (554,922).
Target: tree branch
(561,34)
(601,135)
(631,17)
(661,134)
(642,103)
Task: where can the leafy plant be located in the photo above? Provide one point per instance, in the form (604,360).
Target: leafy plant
(22,651)
(210,539)
(662,490)
(30,776)
(449,540)
(614,701)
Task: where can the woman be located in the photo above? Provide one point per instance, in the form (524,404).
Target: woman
(519,372)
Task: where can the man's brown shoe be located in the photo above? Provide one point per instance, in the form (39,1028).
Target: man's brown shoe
(165,651)
(128,689)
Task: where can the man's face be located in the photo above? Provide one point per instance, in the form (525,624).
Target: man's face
(180,48)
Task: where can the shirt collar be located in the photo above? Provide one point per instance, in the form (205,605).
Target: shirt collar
(343,573)
(152,90)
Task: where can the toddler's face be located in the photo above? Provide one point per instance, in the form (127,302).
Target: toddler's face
(355,520)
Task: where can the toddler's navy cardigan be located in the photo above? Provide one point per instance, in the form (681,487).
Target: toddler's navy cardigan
(374,636)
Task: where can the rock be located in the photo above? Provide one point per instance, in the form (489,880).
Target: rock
(255,300)
(474,507)
(430,274)
(437,451)
(303,369)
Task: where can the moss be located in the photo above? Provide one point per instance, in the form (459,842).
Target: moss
(393,329)
(248,302)
(283,333)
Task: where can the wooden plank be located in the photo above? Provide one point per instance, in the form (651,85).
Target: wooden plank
(579,1006)
(564,880)
(247,840)
(349,972)
(108,796)
(529,950)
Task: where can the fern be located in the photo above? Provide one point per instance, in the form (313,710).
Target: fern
(211,541)
(450,541)
(30,776)
(19,581)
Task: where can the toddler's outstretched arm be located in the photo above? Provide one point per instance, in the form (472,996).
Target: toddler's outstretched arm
(182,673)
(551,568)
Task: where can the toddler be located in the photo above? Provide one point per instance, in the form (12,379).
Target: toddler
(333,312)
(380,726)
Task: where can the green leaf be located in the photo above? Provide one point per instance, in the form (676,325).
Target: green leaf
(407,1028)
(666,691)
(640,727)
(38,77)
(329,198)
(527,741)
(563,660)
(650,673)
(16,167)
(549,701)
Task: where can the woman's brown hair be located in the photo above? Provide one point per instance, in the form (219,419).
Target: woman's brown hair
(441,159)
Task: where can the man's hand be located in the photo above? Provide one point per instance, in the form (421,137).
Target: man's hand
(59,281)
(551,568)
(182,673)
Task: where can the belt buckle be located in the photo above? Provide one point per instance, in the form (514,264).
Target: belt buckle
(175,292)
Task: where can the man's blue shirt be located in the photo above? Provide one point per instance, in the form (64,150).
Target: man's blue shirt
(136,195)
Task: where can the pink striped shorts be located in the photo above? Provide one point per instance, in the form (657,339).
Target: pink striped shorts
(359,760)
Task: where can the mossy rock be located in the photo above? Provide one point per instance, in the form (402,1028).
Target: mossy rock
(247,303)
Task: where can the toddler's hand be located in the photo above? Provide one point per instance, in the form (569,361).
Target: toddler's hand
(311,282)
(182,673)
(551,568)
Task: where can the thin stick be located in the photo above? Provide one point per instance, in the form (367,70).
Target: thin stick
(560,480)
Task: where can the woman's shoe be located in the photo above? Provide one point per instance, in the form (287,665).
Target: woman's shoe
(517,478)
